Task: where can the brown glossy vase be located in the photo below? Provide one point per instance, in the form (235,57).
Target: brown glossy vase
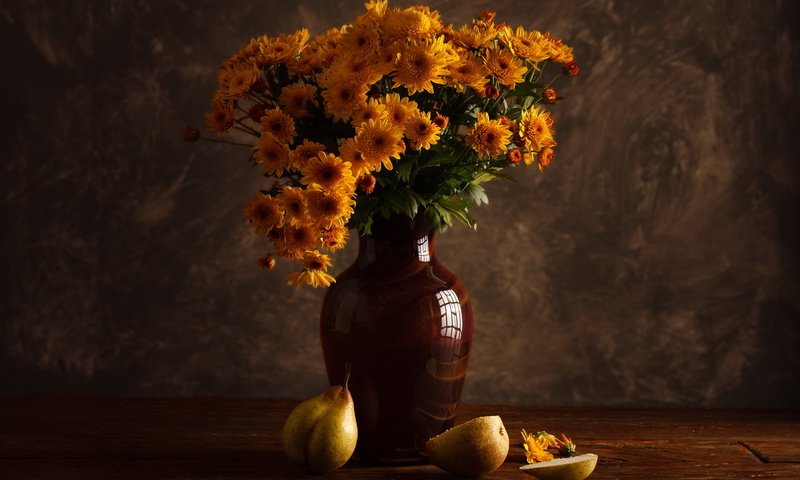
(404,323)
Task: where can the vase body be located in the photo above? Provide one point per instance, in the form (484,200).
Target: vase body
(404,324)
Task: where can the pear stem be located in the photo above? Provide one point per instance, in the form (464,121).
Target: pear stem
(346,375)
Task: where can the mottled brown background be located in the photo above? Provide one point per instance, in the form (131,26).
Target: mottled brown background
(655,263)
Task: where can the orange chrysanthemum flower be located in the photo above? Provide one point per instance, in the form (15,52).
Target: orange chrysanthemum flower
(475,36)
(296,99)
(469,72)
(278,124)
(379,141)
(329,172)
(262,213)
(279,49)
(315,261)
(361,39)
(423,64)
(406,24)
(272,154)
(314,278)
(506,68)
(292,201)
(305,152)
(559,51)
(236,81)
(421,131)
(343,96)
(335,238)
(534,129)
(328,208)
(348,152)
(530,45)
(299,238)
(488,137)
(373,110)
(220,119)
(399,109)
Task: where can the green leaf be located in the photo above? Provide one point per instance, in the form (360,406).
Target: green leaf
(476,194)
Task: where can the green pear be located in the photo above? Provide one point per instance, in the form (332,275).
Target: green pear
(473,448)
(571,468)
(320,433)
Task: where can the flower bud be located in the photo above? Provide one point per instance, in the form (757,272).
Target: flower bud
(191,134)
(514,156)
(550,95)
(259,86)
(571,69)
(256,112)
(545,156)
(491,91)
(440,121)
(267,262)
(366,183)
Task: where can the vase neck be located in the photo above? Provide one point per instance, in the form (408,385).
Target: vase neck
(395,243)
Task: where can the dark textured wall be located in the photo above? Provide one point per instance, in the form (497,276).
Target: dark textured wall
(655,262)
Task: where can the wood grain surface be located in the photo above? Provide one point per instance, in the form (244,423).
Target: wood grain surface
(51,437)
(655,263)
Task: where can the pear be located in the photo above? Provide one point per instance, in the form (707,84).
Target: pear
(473,448)
(320,433)
(571,468)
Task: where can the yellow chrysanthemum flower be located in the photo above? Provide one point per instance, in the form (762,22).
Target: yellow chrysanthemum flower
(295,99)
(315,260)
(366,70)
(314,278)
(399,109)
(559,51)
(376,8)
(292,202)
(506,68)
(534,129)
(270,51)
(221,117)
(328,208)
(236,81)
(535,451)
(475,36)
(335,238)
(262,213)
(329,172)
(278,124)
(406,24)
(373,110)
(348,152)
(488,137)
(299,238)
(361,39)
(272,154)
(423,64)
(304,152)
(469,72)
(343,96)
(530,45)
(379,141)
(420,131)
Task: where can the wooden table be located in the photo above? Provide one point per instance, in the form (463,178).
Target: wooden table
(47,437)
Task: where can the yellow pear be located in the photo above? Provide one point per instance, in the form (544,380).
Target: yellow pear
(320,433)
(571,468)
(473,448)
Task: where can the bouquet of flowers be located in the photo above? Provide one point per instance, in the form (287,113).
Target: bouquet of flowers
(394,113)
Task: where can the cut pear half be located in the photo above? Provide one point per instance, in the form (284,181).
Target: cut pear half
(570,468)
